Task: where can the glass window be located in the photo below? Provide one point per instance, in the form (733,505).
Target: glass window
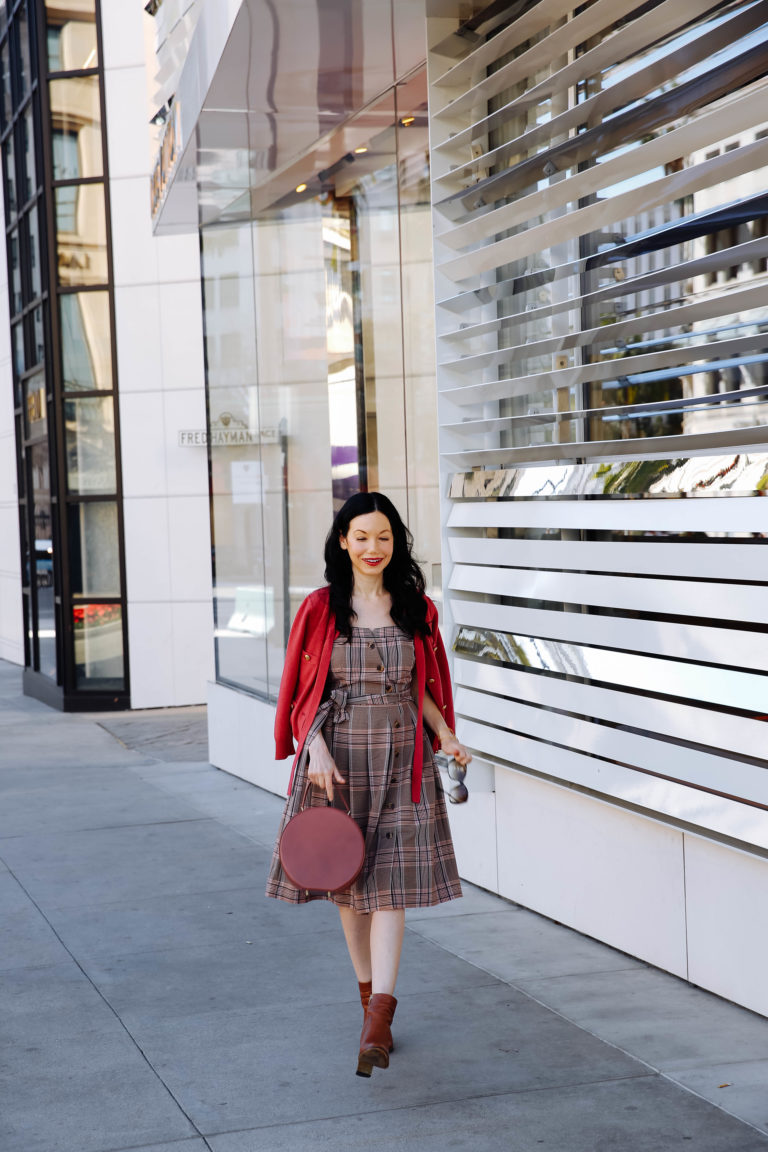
(9,157)
(98,632)
(21,29)
(6,102)
(76,128)
(38,336)
(244,613)
(86,346)
(94,562)
(17,342)
(323,390)
(27,156)
(90,437)
(35,407)
(81,235)
(33,252)
(71,34)
(17,302)
(43,540)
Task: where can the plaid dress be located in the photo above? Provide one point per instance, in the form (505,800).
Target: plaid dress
(368,721)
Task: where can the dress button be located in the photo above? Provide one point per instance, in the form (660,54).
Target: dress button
(389,835)
(396,724)
(371,645)
(307,656)
(390,806)
(397,753)
(389,687)
(431,680)
(379,667)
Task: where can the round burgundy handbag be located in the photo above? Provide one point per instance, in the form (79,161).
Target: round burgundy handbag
(321,849)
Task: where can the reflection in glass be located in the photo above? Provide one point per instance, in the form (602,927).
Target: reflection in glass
(17,302)
(86,348)
(10,176)
(17,342)
(35,407)
(24,62)
(98,632)
(6,108)
(71,35)
(29,168)
(741,691)
(94,568)
(733,474)
(81,235)
(38,336)
(76,128)
(90,445)
(42,584)
(325,271)
(33,252)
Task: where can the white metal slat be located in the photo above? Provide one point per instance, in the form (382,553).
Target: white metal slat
(560,41)
(632,38)
(702,769)
(746,603)
(717,561)
(485,54)
(659,278)
(654,193)
(728,514)
(698,725)
(735,117)
(708,645)
(740,439)
(729,818)
(606,101)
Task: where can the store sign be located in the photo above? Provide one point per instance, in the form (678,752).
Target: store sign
(170,151)
(227,432)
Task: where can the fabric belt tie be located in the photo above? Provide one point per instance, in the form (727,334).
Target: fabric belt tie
(336,703)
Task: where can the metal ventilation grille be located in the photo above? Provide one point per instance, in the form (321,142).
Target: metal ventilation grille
(600,188)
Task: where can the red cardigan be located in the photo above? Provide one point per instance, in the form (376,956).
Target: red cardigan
(308,659)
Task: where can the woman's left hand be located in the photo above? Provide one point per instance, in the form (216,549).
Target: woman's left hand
(452,747)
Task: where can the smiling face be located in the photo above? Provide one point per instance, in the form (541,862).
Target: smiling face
(369,543)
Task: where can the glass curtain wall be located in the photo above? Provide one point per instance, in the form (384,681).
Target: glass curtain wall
(62,336)
(320,357)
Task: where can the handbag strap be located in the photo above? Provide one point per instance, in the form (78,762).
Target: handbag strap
(330,804)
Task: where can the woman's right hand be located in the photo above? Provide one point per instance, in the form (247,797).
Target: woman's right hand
(322,770)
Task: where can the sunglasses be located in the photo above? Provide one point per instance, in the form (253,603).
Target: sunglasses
(459,794)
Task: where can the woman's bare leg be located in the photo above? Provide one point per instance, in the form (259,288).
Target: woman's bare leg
(357,933)
(386,945)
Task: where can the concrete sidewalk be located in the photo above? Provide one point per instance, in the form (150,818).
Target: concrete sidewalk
(151,997)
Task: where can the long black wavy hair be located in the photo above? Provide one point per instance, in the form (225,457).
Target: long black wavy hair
(403,578)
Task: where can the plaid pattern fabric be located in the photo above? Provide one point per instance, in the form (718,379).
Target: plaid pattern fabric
(368,721)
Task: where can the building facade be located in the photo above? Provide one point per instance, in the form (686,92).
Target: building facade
(508,263)
(105,554)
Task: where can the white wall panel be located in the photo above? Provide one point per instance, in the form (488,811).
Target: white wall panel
(727,921)
(604,872)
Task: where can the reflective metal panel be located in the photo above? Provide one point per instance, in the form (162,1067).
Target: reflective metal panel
(735,474)
(741,691)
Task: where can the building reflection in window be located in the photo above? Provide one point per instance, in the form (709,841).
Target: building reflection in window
(336,387)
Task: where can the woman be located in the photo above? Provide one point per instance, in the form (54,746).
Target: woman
(365,676)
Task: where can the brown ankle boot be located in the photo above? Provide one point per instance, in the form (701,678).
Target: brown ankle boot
(366,988)
(376,1036)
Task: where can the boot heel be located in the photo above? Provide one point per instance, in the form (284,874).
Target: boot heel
(370,1059)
